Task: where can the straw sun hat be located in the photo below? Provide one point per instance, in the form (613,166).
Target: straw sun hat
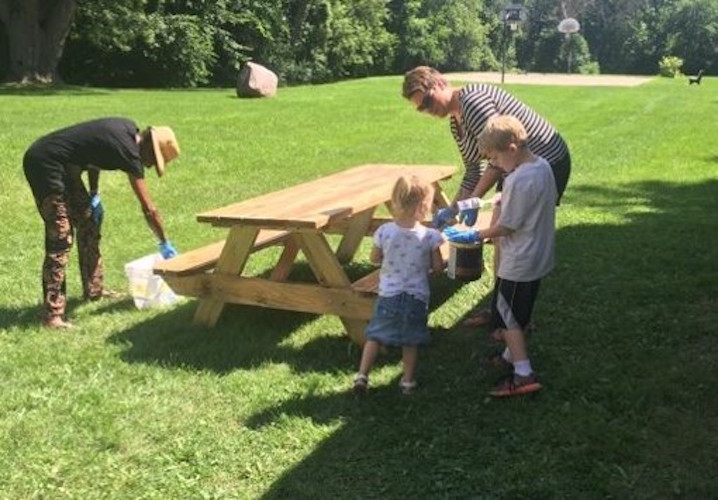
(165,146)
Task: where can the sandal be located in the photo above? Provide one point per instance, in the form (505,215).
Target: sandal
(360,385)
(407,388)
(516,386)
(481,318)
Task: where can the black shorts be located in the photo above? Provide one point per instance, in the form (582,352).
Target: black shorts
(513,303)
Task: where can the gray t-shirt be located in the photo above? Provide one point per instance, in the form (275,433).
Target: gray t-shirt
(528,206)
(407,259)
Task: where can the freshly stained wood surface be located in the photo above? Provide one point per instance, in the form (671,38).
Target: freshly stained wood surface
(317,203)
(299,218)
(205,258)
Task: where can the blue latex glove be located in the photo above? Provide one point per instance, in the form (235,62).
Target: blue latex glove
(469,216)
(443,216)
(98,212)
(167,250)
(459,236)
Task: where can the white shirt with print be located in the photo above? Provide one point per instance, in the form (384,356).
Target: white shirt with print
(406,259)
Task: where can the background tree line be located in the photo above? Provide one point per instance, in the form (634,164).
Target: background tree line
(178,43)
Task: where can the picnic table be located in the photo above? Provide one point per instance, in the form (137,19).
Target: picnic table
(297,218)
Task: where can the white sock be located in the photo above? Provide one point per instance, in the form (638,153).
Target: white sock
(522,368)
(507,355)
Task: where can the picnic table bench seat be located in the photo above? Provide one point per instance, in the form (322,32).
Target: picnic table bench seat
(205,258)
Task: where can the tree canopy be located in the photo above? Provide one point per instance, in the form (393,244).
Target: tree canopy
(185,43)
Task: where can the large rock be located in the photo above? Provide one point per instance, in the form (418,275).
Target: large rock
(256,81)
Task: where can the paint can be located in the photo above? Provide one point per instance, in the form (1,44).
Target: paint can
(466,261)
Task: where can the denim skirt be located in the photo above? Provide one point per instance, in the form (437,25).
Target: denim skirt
(400,320)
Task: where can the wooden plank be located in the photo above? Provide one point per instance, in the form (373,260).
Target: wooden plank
(369,283)
(355,329)
(328,271)
(440,198)
(322,260)
(303,297)
(231,262)
(286,260)
(358,227)
(205,258)
(320,202)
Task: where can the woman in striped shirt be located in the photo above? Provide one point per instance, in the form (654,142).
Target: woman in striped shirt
(469,109)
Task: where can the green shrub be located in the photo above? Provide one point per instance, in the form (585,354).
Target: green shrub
(670,66)
(590,68)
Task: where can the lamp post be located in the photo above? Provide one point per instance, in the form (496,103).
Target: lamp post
(512,15)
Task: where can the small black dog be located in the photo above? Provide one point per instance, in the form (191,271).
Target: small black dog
(695,79)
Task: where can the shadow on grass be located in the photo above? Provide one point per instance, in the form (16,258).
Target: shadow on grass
(627,353)
(29,317)
(11,89)
(247,336)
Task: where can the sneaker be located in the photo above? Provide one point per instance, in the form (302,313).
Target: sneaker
(360,385)
(407,388)
(516,386)
(497,363)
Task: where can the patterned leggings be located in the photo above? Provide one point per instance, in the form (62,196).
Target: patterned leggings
(64,214)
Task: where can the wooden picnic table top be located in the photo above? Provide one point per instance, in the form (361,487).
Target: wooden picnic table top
(320,202)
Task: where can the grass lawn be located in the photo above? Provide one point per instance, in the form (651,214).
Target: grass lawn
(141,404)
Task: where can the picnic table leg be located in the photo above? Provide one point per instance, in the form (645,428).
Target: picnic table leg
(329,272)
(440,198)
(286,260)
(234,256)
(358,228)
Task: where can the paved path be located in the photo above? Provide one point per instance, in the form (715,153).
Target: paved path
(552,79)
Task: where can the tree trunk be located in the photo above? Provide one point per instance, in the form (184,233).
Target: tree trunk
(36,32)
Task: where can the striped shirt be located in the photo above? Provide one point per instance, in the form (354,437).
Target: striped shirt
(478,103)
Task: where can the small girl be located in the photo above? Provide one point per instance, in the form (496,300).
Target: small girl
(407,251)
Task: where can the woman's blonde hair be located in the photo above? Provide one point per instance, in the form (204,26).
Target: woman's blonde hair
(420,79)
(409,193)
(500,131)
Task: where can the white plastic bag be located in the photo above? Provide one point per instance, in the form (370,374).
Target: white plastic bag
(147,289)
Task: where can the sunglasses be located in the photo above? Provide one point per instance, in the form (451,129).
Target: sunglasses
(426,102)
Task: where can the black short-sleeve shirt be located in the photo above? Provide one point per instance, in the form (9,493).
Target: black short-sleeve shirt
(107,143)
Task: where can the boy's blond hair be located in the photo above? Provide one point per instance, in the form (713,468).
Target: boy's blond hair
(500,131)
(408,194)
(420,79)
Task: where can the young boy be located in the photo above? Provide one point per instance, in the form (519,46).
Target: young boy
(525,232)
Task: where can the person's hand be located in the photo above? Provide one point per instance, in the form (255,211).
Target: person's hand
(167,250)
(459,236)
(468,217)
(98,211)
(443,216)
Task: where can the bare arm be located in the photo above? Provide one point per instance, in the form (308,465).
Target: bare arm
(437,262)
(152,216)
(488,180)
(376,256)
(93,178)
(496,231)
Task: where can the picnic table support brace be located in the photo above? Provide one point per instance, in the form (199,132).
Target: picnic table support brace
(234,256)
(358,229)
(329,272)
